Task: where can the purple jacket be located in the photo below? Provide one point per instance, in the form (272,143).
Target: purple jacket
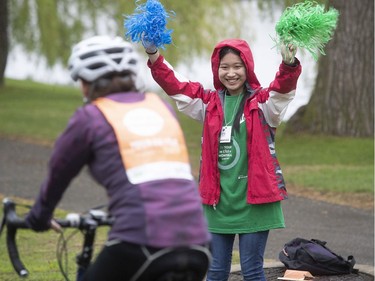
(158,214)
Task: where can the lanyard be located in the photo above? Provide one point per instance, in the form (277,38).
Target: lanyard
(234,111)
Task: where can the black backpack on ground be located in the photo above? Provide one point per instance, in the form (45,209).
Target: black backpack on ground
(313,256)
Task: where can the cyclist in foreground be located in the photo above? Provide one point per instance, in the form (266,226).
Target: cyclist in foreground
(134,147)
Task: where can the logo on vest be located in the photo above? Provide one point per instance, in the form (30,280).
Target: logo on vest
(143,122)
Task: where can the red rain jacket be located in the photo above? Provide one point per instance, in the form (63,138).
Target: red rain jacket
(262,113)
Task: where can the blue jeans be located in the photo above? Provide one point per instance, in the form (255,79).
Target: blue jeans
(251,246)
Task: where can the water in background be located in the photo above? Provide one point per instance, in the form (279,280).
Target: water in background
(267,59)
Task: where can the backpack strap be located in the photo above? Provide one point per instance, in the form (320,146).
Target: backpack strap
(320,242)
(351,260)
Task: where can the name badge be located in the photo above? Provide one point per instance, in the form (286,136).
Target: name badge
(226,134)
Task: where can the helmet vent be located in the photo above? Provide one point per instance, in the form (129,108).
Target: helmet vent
(115,50)
(88,55)
(96,65)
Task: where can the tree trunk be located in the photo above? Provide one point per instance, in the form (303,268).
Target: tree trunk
(342,102)
(3,38)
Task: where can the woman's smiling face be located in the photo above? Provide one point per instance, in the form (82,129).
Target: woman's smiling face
(232,73)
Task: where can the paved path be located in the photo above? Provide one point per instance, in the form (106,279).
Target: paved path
(348,231)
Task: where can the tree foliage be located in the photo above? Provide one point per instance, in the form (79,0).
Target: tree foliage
(49,28)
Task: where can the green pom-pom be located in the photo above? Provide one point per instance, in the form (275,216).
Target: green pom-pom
(307,25)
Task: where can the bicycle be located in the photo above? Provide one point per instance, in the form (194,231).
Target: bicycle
(195,258)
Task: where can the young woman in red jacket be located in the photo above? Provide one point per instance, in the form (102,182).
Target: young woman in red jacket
(241,183)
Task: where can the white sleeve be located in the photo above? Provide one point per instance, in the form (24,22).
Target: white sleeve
(275,107)
(193,107)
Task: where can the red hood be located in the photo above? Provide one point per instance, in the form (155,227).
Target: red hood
(246,56)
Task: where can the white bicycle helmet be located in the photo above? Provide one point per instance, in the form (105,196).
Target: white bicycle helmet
(101,55)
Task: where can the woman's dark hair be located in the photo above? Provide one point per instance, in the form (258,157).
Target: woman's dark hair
(112,83)
(236,123)
(226,50)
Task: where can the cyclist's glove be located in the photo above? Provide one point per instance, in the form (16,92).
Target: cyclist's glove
(37,223)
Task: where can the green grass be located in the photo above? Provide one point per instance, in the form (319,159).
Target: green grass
(39,112)
(328,163)
(193,132)
(36,111)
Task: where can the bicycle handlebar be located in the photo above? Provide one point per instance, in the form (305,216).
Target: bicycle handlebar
(13,222)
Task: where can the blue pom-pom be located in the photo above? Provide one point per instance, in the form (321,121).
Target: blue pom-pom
(148,24)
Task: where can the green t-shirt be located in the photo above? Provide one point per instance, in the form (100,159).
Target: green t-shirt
(232,214)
